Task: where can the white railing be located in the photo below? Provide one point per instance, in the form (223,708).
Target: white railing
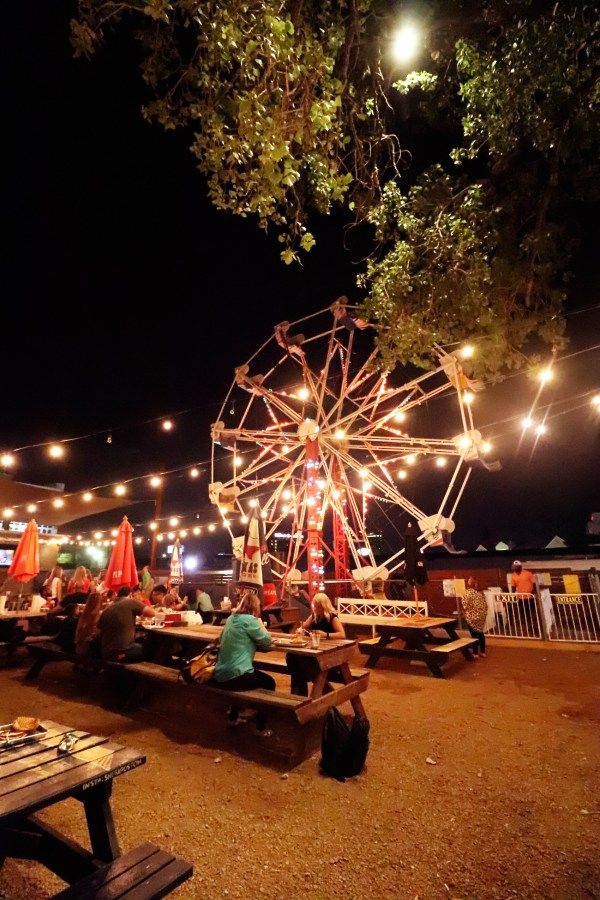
(576,618)
(366,612)
(514,615)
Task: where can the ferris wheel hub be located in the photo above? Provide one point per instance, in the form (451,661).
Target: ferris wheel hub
(309,429)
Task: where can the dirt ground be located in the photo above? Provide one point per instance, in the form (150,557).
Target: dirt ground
(510,808)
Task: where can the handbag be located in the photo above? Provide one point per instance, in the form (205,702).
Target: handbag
(201,668)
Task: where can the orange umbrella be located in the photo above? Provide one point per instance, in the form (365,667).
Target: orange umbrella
(122,570)
(26,561)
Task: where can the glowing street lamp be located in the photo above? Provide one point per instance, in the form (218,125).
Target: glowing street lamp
(406,43)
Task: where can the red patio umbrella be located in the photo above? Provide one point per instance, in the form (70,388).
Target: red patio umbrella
(26,561)
(122,570)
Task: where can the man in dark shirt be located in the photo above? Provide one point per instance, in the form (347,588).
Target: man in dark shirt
(117,628)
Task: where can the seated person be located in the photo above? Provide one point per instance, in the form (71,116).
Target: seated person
(87,626)
(65,638)
(199,601)
(323,621)
(243,634)
(117,628)
(157,597)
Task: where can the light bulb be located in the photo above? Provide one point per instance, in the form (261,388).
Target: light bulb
(468,397)
(173,521)
(197,530)
(405,43)
(211,527)
(87,497)
(155,481)
(411,459)
(97,535)
(153,526)
(7,460)
(467,351)
(486,447)
(546,375)
(120,490)
(541,429)
(402,475)
(56,451)
(303,393)
(441,461)
(194,472)
(8,513)
(399,416)
(526,423)
(58,503)
(31,508)
(339,434)
(114,533)
(167,425)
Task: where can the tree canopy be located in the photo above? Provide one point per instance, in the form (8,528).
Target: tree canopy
(469,172)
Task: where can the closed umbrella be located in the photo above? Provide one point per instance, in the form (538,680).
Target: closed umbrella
(122,570)
(176,575)
(255,568)
(26,561)
(414,564)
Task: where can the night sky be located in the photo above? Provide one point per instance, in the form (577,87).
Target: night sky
(127,297)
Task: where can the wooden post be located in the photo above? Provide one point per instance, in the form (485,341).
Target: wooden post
(157,512)
(416,596)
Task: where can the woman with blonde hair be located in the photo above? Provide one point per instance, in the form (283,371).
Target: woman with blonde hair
(243,634)
(80,582)
(324,620)
(87,625)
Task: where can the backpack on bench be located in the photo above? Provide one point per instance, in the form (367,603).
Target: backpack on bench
(343,749)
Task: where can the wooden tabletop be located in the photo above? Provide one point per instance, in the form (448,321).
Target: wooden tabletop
(416,622)
(23,614)
(35,775)
(206,633)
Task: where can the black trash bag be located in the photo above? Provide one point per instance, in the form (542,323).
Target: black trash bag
(343,749)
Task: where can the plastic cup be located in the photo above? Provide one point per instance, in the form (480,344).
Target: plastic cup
(315,640)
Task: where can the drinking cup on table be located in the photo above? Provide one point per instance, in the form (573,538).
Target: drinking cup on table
(315,639)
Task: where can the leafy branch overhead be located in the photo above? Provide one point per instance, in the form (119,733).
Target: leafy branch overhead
(472,170)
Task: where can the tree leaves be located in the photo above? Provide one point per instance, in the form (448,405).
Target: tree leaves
(294,109)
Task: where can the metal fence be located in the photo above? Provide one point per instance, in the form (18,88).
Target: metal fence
(514,615)
(576,617)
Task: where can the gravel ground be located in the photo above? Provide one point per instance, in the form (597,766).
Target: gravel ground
(509,809)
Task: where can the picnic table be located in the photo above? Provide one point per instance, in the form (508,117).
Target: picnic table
(417,641)
(333,684)
(34,776)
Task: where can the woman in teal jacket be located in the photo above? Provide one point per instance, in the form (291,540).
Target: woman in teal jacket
(244,634)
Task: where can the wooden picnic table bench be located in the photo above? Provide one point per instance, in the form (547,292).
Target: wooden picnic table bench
(43,652)
(418,642)
(34,776)
(145,873)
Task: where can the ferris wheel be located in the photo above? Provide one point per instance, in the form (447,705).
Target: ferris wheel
(310,432)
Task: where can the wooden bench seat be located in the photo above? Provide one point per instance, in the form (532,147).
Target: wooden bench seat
(303,708)
(257,697)
(452,646)
(145,873)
